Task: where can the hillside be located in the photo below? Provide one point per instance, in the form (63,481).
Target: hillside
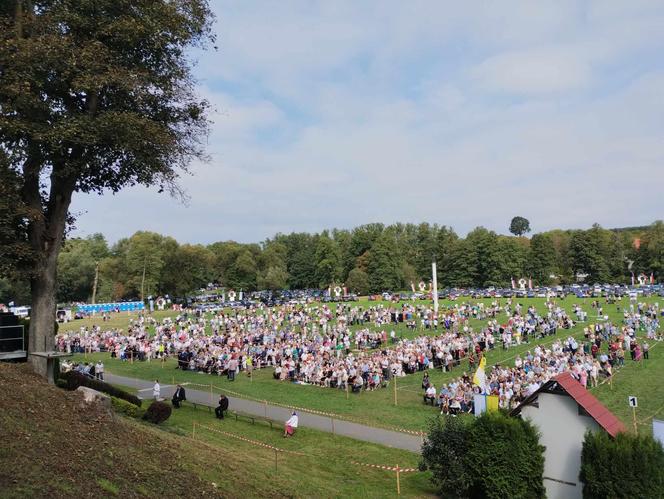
(52,447)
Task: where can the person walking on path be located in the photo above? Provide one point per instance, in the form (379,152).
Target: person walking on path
(156,390)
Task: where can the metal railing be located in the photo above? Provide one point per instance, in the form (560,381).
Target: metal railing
(3,337)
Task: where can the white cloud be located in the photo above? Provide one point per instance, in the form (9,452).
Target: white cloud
(339,114)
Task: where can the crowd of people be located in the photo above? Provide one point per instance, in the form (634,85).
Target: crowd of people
(597,357)
(356,348)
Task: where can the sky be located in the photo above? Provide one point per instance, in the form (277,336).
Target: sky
(339,113)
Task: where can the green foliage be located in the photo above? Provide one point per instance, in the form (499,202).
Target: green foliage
(399,254)
(519,226)
(127,408)
(358,282)
(492,456)
(75,379)
(505,457)
(625,466)
(443,453)
(158,412)
(384,266)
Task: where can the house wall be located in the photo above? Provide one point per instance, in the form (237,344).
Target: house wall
(562,430)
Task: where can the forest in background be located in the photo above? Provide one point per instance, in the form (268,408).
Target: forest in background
(369,258)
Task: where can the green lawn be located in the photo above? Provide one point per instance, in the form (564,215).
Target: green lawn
(378,407)
(326,468)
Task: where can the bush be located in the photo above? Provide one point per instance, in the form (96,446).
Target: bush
(624,466)
(443,452)
(126,408)
(158,412)
(75,379)
(493,456)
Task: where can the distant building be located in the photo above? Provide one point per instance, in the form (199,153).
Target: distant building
(563,410)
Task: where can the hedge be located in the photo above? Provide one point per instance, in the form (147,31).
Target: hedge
(75,379)
(126,408)
(158,412)
(624,466)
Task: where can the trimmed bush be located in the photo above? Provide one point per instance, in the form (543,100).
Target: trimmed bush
(158,412)
(493,456)
(127,408)
(624,466)
(75,379)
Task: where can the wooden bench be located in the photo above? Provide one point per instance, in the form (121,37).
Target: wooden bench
(236,414)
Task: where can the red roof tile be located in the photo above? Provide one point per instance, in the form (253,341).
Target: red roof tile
(605,418)
(592,406)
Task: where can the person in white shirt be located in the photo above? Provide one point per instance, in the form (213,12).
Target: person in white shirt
(156,390)
(291,425)
(430,395)
(99,370)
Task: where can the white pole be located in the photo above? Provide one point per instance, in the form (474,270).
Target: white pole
(435,288)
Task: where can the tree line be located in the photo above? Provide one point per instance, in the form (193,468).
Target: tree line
(369,258)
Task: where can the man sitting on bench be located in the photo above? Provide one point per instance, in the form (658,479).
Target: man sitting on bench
(223,406)
(178,397)
(430,395)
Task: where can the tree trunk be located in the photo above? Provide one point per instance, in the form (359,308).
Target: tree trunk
(42,316)
(46,234)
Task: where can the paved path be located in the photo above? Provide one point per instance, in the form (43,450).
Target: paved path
(332,425)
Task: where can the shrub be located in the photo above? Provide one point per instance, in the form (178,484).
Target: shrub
(126,408)
(75,379)
(493,456)
(624,466)
(505,458)
(443,452)
(158,412)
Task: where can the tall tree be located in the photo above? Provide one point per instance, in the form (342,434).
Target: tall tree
(519,226)
(95,96)
(542,258)
(384,267)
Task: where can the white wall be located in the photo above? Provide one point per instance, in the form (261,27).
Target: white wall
(562,429)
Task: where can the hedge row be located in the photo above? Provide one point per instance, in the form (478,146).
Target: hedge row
(75,379)
(127,408)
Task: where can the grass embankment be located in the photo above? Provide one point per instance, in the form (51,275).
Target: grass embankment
(53,447)
(378,407)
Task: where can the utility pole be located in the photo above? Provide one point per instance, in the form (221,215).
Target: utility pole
(435,287)
(94,286)
(145,260)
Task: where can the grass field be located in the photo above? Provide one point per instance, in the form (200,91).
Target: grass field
(54,448)
(378,407)
(327,467)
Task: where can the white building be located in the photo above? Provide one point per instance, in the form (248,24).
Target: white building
(563,410)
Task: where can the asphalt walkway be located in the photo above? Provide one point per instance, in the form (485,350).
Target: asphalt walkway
(323,423)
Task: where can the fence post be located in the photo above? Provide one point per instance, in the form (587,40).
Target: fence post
(398,481)
(193,433)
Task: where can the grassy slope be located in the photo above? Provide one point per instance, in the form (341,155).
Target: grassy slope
(56,449)
(378,407)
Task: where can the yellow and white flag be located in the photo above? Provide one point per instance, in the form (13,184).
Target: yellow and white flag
(480,376)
